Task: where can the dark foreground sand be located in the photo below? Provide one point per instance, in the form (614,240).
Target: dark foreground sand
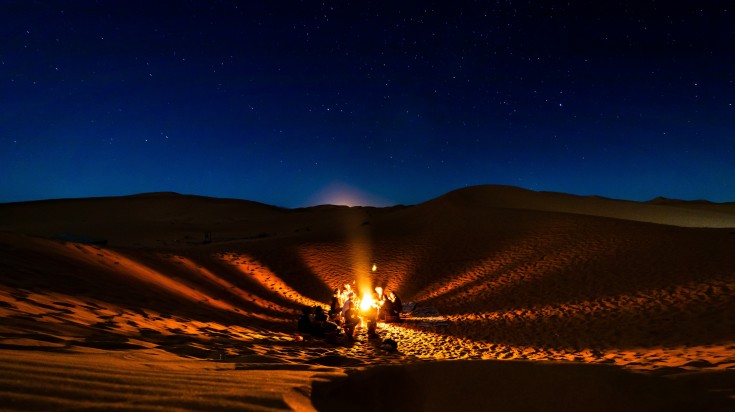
(523,301)
(510,386)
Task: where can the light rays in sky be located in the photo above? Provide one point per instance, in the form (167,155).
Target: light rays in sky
(342,194)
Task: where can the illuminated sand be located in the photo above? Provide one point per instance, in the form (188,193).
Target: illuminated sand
(155,319)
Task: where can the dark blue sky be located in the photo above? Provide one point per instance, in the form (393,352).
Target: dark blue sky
(297,103)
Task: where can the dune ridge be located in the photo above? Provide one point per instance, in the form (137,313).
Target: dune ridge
(212,287)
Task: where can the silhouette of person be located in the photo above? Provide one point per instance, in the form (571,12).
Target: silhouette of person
(396,307)
(335,306)
(304,322)
(351,319)
(371,316)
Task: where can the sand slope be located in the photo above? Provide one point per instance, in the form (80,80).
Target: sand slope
(495,272)
(659,210)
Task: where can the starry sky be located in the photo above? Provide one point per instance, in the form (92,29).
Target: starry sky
(295,103)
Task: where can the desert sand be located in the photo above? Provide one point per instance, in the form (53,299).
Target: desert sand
(521,301)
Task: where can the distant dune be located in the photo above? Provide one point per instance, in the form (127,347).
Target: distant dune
(161,300)
(664,211)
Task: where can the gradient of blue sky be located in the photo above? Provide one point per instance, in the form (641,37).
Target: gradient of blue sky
(287,103)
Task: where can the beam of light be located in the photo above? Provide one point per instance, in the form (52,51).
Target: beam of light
(258,272)
(519,264)
(333,262)
(424,342)
(330,262)
(359,252)
(503,268)
(128,267)
(613,328)
(682,296)
(90,312)
(230,288)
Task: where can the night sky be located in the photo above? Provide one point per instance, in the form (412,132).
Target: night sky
(380,103)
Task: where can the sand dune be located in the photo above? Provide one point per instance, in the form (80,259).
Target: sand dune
(659,210)
(120,303)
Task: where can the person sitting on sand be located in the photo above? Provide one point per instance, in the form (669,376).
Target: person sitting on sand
(330,331)
(371,316)
(335,306)
(346,290)
(351,319)
(320,319)
(327,328)
(348,302)
(394,308)
(304,324)
(336,317)
(385,310)
(380,302)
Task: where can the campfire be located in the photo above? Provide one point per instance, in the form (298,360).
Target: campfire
(367,302)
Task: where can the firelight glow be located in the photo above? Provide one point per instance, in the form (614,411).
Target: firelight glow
(367,301)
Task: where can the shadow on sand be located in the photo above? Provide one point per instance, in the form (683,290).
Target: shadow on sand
(510,386)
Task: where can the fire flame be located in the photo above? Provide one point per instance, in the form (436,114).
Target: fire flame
(366,302)
(375,267)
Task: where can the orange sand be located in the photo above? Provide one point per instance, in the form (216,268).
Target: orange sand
(156,319)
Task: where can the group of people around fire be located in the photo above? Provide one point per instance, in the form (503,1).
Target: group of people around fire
(349,309)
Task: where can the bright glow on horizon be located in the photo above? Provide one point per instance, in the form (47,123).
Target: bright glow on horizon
(342,194)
